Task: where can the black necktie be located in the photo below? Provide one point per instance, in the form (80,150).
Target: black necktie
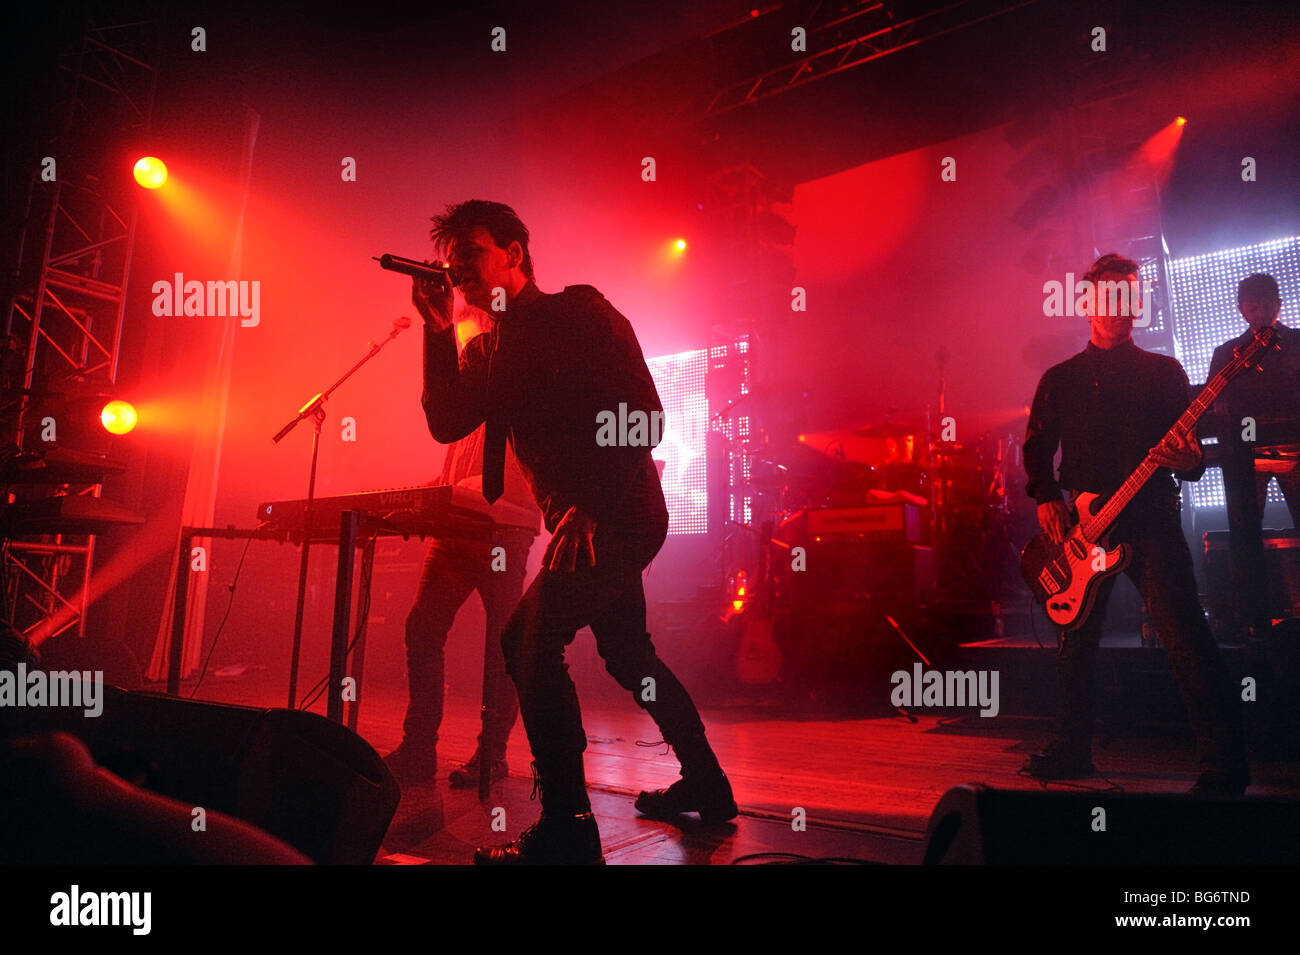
(494,438)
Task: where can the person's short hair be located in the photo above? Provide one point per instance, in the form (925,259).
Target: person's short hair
(1258,286)
(501,222)
(1112,263)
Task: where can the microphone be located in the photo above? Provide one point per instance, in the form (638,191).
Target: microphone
(401,324)
(419,270)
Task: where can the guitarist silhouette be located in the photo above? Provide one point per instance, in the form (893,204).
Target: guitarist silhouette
(1112,411)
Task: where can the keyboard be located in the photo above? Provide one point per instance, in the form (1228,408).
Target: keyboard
(432,510)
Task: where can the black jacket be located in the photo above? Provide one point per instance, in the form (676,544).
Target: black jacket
(559,361)
(1271,395)
(1105,409)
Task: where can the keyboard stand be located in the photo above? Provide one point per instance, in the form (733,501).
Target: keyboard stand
(349,534)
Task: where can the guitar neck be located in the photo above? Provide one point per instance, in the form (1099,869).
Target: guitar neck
(1098,524)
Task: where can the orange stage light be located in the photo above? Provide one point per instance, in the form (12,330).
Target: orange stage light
(118,417)
(150,172)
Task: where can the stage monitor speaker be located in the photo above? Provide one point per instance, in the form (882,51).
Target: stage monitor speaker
(978,825)
(1281,566)
(305,779)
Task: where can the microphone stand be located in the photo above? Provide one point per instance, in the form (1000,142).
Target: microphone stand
(315,409)
(939,474)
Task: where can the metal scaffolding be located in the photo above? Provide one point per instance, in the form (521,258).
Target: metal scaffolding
(66,317)
(845,36)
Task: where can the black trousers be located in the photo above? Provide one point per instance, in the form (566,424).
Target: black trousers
(453,570)
(609,598)
(1162,571)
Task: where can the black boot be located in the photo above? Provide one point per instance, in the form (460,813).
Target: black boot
(703,788)
(566,834)
(710,795)
(466,777)
(555,839)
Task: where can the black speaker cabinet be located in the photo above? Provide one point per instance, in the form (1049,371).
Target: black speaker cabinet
(977,825)
(306,780)
(1281,564)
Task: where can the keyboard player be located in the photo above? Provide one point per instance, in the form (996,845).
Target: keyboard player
(1271,400)
(454,568)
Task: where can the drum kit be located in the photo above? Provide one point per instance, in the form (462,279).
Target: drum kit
(870,498)
(957,485)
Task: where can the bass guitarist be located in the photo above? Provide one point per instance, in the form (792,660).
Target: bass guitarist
(1106,408)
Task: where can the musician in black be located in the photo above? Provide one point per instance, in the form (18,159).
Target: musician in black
(554,366)
(1252,406)
(457,564)
(1105,408)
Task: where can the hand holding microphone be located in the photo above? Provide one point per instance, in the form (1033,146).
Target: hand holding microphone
(431,288)
(433,300)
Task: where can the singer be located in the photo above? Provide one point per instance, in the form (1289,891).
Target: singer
(552,364)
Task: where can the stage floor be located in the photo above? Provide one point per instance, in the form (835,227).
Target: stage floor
(866,786)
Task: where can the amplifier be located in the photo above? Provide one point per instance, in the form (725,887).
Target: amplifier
(834,615)
(1281,563)
(876,522)
(850,578)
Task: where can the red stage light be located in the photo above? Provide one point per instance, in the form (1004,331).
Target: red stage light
(1155,158)
(118,417)
(150,172)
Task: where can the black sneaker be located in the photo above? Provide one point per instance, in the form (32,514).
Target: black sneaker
(552,840)
(411,765)
(1221,784)
(466,777)
(1059,762)
(710,796)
